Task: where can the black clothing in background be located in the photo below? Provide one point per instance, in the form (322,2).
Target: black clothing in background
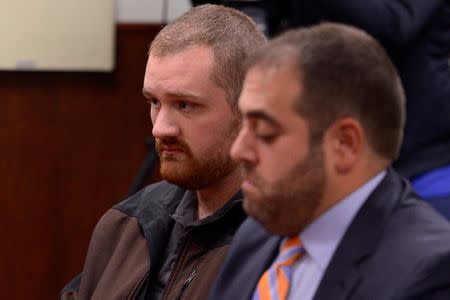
(416,34)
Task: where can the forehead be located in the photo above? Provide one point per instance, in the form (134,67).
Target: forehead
(195,55)
(272,90)
(187,70)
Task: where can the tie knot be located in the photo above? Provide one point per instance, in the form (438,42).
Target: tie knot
(291,243)
(291,249)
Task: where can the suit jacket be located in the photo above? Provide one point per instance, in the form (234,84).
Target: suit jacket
(396,247)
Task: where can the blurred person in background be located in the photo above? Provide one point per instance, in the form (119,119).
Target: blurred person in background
(169,240)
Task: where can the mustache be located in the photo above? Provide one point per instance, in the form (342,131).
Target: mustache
(171,142)
(247,171)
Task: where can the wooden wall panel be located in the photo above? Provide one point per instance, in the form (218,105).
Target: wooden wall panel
(70,145)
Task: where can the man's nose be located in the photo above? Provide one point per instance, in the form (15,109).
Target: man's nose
(242,149)
(164,125)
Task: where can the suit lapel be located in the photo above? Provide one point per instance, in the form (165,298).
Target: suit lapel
(256,265)
(251,253)
(342,276)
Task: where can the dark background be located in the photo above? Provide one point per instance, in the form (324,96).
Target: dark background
(70,146)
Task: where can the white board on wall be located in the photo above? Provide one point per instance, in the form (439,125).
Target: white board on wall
(57,35)
(150,11)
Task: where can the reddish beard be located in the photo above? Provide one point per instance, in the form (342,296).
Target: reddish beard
(172,143)
(184,169)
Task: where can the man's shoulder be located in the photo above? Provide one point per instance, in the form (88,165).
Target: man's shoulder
(413,247)
(119,242)
(401,216)
(415,252)
(152,199)
(417,229)
(407,227)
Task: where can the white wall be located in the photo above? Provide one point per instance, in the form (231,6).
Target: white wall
(150,11)
(57,35)
(72,34)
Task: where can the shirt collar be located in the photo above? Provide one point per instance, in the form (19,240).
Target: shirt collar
(321,238)
(186,212)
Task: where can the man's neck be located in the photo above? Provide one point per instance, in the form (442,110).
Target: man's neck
(345,184)
(214,196)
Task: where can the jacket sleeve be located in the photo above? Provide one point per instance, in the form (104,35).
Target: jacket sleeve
(393,21)
(70,291)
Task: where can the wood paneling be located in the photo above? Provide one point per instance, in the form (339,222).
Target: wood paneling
(70,145)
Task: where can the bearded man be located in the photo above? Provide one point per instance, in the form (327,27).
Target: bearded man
(169,240)
(323,115)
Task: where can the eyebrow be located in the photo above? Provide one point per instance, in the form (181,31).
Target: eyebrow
(146,93)
(258,114)
(176,94)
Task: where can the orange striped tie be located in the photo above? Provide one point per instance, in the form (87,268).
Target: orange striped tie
(274,283)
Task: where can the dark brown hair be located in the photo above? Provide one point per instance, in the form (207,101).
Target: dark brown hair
(343,72)
(231,34)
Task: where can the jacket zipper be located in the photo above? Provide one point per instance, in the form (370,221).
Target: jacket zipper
(186,284)
(169,284)
(180,254)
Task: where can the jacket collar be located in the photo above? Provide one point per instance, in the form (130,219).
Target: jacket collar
(360,240)
(154,206)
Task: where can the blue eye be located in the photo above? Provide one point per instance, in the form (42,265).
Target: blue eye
(154,103)
(186,106)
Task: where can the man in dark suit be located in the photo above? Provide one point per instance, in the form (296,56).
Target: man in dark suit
(323,114)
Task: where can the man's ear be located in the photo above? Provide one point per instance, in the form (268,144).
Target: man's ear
(344,142)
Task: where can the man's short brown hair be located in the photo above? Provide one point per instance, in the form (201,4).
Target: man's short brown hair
(343,72)
(231,35)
